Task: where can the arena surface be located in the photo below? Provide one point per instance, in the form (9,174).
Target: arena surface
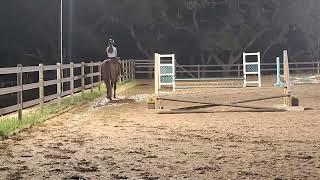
(124,140)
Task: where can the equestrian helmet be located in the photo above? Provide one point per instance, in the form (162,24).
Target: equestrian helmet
(110,41)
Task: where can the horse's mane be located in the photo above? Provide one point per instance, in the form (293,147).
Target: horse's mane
(110,49)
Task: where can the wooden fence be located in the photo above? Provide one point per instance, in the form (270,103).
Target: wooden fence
(144,68)
(89,77)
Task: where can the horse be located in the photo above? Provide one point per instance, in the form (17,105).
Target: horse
(111,71)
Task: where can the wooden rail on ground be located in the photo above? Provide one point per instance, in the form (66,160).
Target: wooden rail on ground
(93,77)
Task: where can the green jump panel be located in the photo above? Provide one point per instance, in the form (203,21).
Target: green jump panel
(252,68)
(166,79)
(166,69)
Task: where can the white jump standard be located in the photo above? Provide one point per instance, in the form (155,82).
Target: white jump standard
(279,83)
(164,72)
(251,68)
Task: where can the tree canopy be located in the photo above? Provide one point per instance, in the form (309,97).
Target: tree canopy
(197,31)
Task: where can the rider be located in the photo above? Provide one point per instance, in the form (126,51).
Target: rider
(111,50)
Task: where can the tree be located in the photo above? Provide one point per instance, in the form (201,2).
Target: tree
(214,31)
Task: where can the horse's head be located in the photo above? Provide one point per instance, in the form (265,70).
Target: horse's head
(110,42)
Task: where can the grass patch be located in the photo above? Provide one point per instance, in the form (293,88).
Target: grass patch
(11,125)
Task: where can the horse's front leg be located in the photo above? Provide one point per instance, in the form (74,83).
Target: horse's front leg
(114,90)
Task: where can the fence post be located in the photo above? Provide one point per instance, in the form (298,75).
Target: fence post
(127,68)
(59,82)
(156,74)
(82,78)
(123,72)
(41,86)
(62,76)
(91,76)
(99,77)
(239,70)
(19,93)
(286,72)
(198,70)
(130,75)
(72,81)
(133,69)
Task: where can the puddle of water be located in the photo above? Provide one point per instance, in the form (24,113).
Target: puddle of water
(120,101)
(137,94)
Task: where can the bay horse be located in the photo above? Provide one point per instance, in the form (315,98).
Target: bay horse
(111,71)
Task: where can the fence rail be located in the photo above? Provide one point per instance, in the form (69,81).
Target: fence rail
(90,77)
(145,68)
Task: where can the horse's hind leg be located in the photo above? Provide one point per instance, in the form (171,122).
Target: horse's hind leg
(109,94)
(111,88)
(109,91)
(114,90)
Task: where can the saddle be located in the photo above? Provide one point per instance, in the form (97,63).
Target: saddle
(113,58)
